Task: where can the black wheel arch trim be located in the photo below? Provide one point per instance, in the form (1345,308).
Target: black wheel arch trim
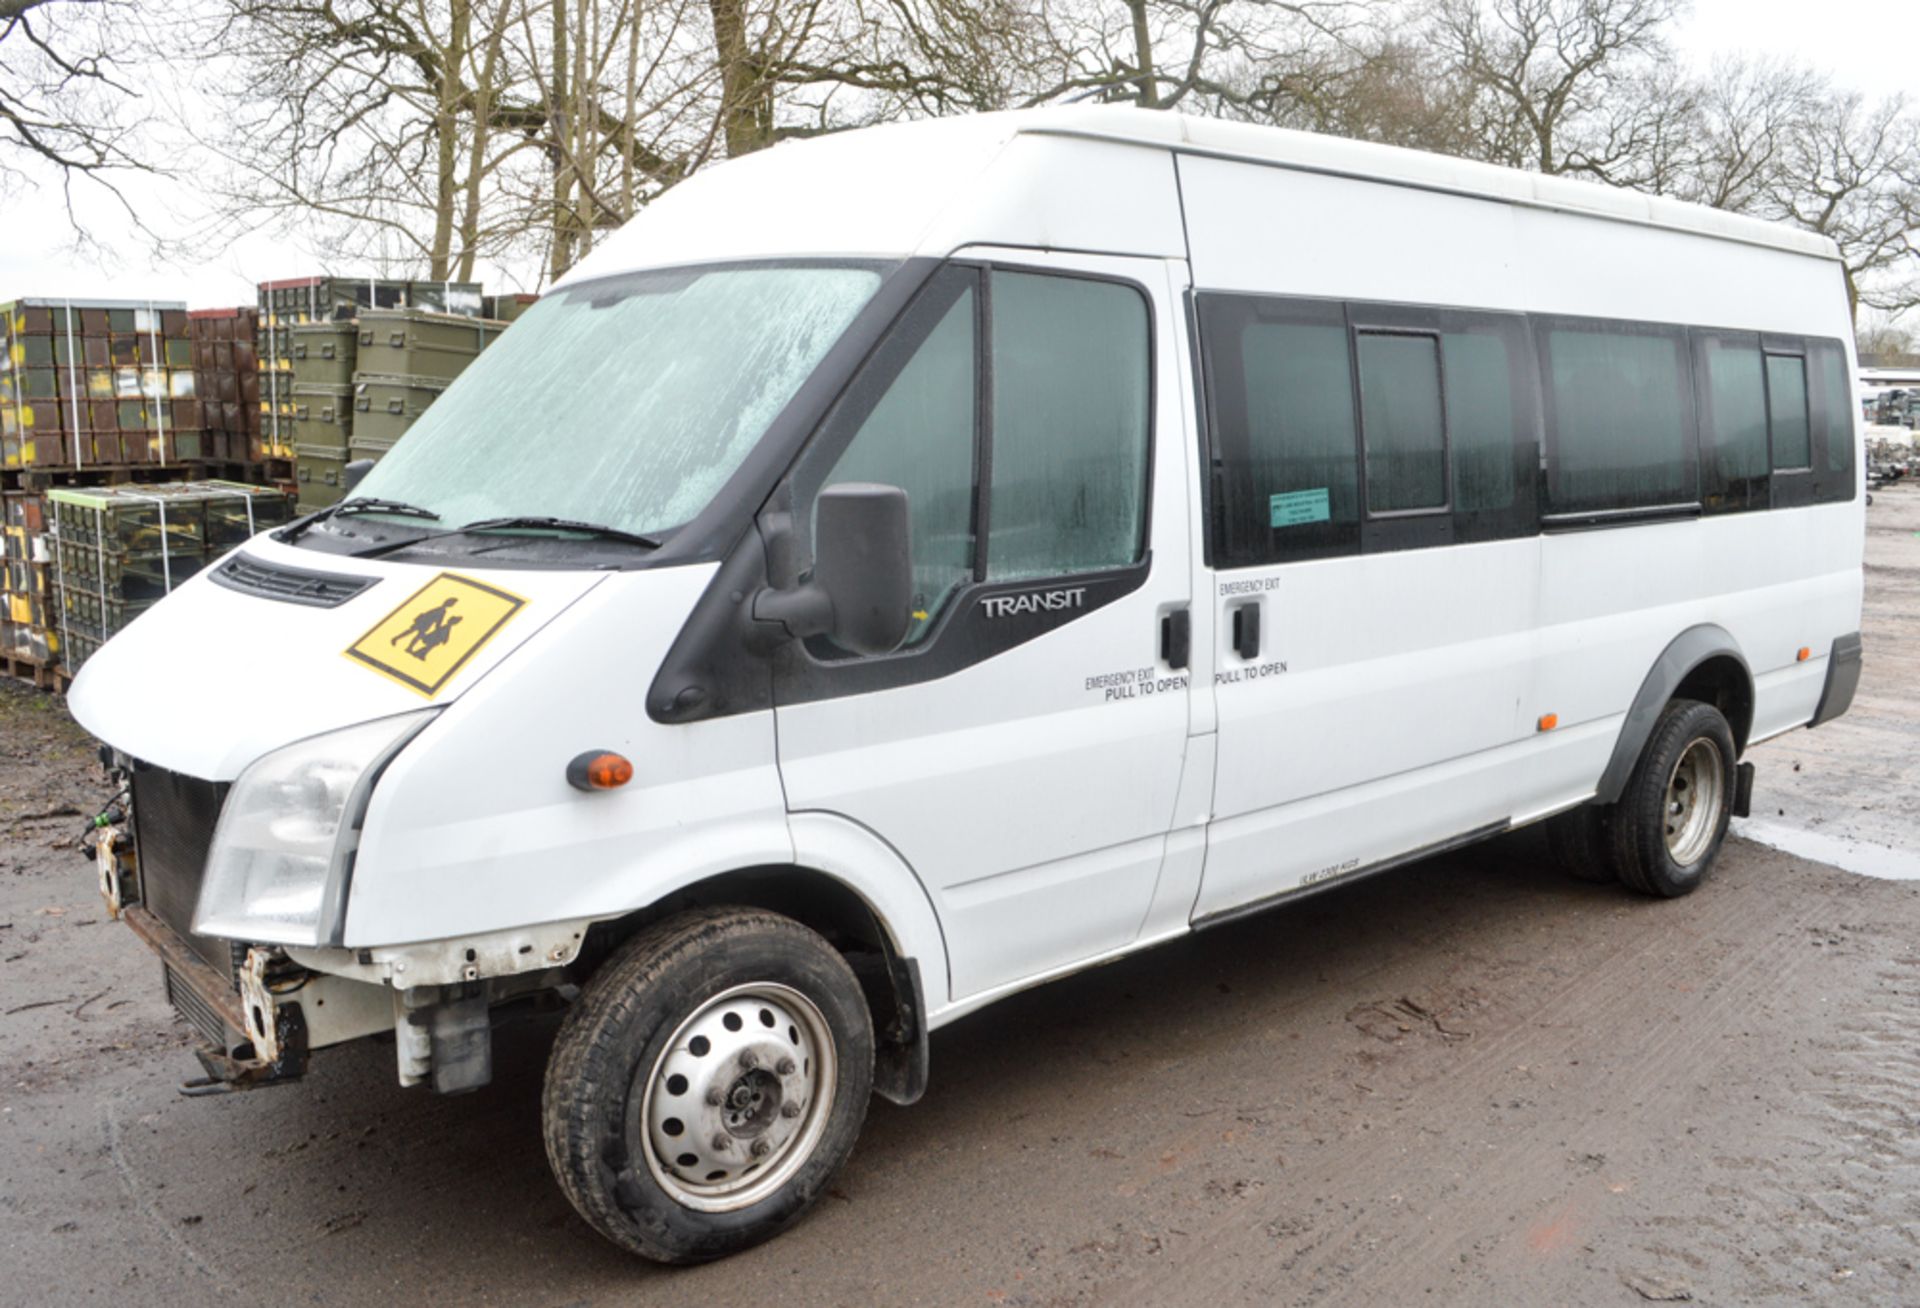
(1843,678)
(1677,661)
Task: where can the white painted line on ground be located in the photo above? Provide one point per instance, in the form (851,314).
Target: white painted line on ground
(1861,856)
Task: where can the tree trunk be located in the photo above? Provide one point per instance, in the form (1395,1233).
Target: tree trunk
(446,131)
(1143,55)
(560,141)
(740,92)
(483,103)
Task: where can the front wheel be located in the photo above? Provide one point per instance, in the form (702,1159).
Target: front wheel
(1670,821)
(708,1084)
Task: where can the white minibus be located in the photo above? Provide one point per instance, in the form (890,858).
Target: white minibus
(905,566)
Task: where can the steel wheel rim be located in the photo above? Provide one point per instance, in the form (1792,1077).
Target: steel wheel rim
(1694,791)
(726,1127)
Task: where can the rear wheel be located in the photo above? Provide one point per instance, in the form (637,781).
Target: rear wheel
(1667,828)
(708,1084)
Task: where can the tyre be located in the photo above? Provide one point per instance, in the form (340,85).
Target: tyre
(1669,823)
(1577,841)
(708,1084)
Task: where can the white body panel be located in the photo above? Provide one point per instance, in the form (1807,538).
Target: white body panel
(275,673)
(1010,821)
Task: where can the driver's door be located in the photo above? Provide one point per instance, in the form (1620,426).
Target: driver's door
(1023,747)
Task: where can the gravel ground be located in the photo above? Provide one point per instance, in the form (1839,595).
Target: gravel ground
(1467,1081)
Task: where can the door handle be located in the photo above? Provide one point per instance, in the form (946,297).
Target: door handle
(1176,638)
(1246,630)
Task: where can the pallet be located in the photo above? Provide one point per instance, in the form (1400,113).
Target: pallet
(118,474)
(253,472)
(47,676)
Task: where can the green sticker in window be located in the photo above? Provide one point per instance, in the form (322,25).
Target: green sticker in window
(1296,508)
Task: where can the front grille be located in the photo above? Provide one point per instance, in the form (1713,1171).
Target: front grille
(173,821)
(322,590)
(190,1006)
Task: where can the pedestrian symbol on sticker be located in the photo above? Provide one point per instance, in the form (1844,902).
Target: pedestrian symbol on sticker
(425,641)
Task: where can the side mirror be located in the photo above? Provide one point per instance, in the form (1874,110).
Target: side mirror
(354,473)
(861,593)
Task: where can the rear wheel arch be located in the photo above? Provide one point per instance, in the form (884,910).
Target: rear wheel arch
(1703,663)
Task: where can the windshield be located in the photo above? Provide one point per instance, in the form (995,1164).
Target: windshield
(626,402)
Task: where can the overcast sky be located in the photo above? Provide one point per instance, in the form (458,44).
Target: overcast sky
(1873,45)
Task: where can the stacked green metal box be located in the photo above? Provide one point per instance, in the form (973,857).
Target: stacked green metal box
(322,358)
(404,360)
(285,305)
(118,550)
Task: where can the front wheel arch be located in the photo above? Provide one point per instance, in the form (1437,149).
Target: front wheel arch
(889,977)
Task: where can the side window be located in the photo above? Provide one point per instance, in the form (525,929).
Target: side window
(1788,417)
(1487,376)
(1401,423)
(1835,412)
(1280,392)
(1620,417)
(1069,371)
(1730,390)
(914,419)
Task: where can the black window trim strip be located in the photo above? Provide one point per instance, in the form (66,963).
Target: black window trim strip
(1531,378)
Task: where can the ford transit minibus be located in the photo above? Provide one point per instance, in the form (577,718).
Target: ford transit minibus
(904,566)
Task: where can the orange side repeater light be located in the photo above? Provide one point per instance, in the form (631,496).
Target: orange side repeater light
(1803,655)
(599,769)
(1548,721)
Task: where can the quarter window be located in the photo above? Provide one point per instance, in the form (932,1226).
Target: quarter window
(1834,403)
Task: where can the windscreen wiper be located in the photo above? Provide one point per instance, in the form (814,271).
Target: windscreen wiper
(399,508)
(530,521)
(539,523)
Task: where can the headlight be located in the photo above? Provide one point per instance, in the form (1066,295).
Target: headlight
(277,869)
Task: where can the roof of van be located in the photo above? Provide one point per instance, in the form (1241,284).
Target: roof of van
(1339,156)
(932,185)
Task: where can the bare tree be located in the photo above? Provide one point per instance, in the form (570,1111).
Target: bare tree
(1886,339)
(1747,111)
(1564,86)
(62,95)
(1851,171)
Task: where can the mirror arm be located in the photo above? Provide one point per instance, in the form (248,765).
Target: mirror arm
(806,610)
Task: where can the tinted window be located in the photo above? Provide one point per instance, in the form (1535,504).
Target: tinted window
(1620,418)
(1280,386)
(1835,404)
(1481,431)
(1787,411)
(1733,422)
(1401,421)
(1070,426)
(913,414)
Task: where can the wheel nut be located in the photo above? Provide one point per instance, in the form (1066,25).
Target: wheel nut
(761,1148)
(786,1067)
(720,1143)
(715,1098)
(747,1059)
(790,1109)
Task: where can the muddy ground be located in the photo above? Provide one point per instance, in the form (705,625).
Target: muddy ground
(1468,1081)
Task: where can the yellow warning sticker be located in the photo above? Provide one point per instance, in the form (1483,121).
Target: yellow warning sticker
(426,640)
